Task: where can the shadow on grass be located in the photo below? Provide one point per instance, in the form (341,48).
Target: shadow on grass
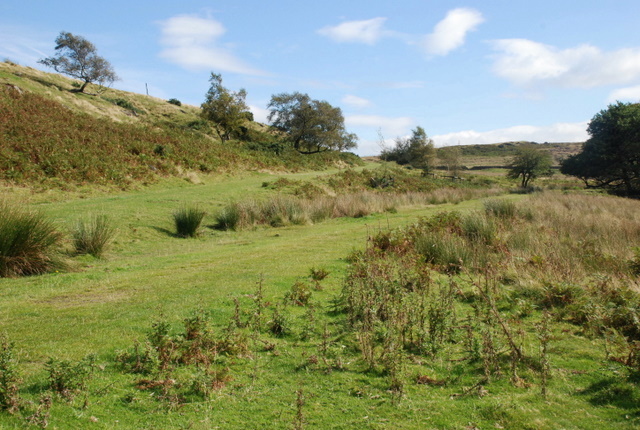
(166,231)
(615,392)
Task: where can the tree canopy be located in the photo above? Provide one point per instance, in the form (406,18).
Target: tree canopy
(78,58)
(610,158)
(417,150)
(312,125)
(529,163)
(227,110)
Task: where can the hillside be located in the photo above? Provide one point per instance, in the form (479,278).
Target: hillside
(52,136)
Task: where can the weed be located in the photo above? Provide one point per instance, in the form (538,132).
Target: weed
(279,324)
(9,377)
(40,417)
(299,295)
(299,421)
(28,243)
(92,237)
(143,359)
(187,220)
(318,274)
(67,378)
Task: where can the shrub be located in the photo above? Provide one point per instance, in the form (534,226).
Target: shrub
(28,243)
(188,220)
(174,102)
(92,237)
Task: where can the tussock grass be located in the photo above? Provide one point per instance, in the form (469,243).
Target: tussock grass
(93,236)
(187,220)
(28,243)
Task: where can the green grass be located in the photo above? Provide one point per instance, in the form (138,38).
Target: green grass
(104,306)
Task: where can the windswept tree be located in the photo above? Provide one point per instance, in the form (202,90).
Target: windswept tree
(418,150)
(227,110)
(610,158)
(530,163)
(78,58)
(312,125)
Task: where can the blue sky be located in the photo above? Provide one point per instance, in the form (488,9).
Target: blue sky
(467,72)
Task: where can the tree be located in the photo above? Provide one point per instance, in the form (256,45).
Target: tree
(450,157)
(226,109)
(529,163)
(610,158)
(417,151)
(78,58)
(312,125)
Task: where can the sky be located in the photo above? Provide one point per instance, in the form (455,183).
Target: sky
(468,72)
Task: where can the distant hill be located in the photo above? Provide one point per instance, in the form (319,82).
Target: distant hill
(53,136)
(500,154)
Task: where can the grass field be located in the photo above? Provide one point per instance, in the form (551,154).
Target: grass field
(292,366)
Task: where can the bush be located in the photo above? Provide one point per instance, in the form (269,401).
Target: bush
(92,237)
(28,243)
(174,102)
(188,220)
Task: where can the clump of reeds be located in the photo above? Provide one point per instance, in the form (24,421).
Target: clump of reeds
(93,236)
(187,220)
(28,243)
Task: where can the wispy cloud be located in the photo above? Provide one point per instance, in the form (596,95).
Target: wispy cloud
(367,31)
(356,102)
(193,43)
(389,126)
(528,63)
(24,45)
(450,33)
(560,132)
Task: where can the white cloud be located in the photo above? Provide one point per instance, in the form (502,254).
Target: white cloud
(525,62)
(560,132)
(192,42)
(450,33)
(629,94)
(389,126)
(259,114)
(356,102)
(367,31)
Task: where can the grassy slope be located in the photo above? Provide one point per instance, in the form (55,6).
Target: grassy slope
(53,137)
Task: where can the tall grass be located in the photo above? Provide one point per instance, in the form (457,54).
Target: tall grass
(93,236)
(187,220)
(291,210)
(28,243)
